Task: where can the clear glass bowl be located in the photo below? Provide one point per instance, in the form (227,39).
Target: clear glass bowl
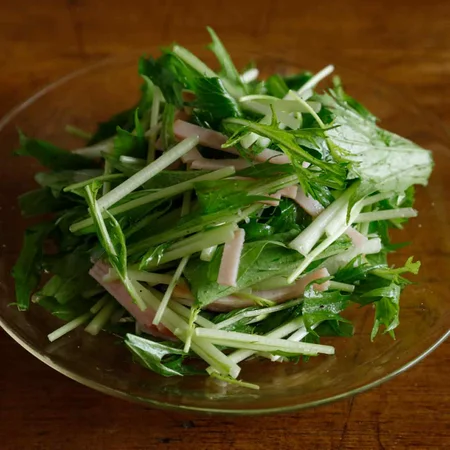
(90,95)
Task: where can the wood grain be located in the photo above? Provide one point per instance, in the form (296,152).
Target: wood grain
(403,43)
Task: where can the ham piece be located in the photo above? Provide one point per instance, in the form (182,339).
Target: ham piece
(231,257)
(118,291)
(214,139)
(280,295)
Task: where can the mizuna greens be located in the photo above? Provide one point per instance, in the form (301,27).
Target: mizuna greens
(223,217)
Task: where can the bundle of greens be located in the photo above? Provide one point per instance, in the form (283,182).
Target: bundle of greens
(223,217)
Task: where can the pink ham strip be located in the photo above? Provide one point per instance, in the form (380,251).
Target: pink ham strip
(214,139)
(118,291)
(191,156)
(231,302)
(298,288)
(276,196)
(358,239)
(208,138)
(272,156)
(229,265)
(289,192)
(214,164)
(310,205)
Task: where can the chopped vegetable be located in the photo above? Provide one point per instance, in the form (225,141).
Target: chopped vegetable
(224,215)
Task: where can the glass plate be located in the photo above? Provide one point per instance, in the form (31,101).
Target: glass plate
(90,95)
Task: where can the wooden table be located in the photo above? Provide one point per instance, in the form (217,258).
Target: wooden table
(404,43)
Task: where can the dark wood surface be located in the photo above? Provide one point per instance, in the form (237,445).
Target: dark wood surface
(405,43)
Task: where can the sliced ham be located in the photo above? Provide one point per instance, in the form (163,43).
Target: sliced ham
(289,192)
(214,164)
(298,288)
(191,155)
(280,295)
(208,138)
(229,265)
(145,318)
(214,139)
(276,196)
(358,239)
(273,156)
(310,205)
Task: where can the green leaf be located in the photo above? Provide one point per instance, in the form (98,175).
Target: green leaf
(51,156)
(170,74)
(228,68)
(384,161)
(70,274)
(276,86)
(107,129)
(41,201)
(313,182)
(387,315)
(27,270)
(320,306)
(131,144)
(164,358)
(260,260)
(211,96)
(57,181)
(64,290)
(112,240)
(222,195)
(296,81)
(167,134)
(67,311)
(335,328)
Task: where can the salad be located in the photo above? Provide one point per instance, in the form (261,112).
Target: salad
(223,217)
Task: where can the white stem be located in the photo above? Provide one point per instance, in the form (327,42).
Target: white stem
(106,171)
(376,198)
(400,213)
(341,286)
(170,191)
(308,238)
(169,290)
(149,277)
(193,61)
(316,79)
(301,333)
(308,109)
(185,312)
(280,332)
(141,177)
(69,326)
(250,75)
(99,305)
(100,320)
(208,253)
(255,313)
(216,236)
(178,326)
(260,343)
(95,151)
(154,116)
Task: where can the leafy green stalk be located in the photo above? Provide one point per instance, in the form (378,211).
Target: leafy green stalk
(147,172)
(69,326)
(113,242)
(260,343)
(26,271)
(168,192)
